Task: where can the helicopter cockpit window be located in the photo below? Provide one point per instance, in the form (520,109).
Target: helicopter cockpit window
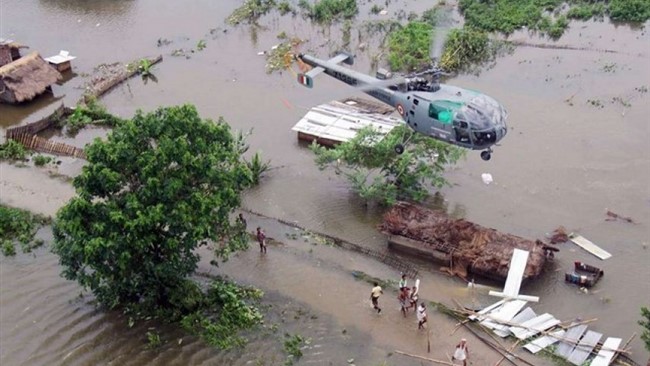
(441,113)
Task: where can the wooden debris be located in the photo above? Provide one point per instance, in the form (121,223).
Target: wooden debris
(559,236)
(612,216)
(471,247)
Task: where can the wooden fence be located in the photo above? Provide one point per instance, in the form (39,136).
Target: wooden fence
(34,142)
(40,125)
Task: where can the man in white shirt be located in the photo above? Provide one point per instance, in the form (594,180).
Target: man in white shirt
(374,297)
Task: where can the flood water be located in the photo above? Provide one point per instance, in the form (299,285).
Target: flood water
(577,146)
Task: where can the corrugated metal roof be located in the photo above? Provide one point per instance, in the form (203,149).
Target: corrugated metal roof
(340,122)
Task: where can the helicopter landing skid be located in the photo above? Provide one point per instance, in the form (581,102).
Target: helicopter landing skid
(487,154)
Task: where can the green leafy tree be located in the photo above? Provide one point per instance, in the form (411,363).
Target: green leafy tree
(376,172)
(645,324)
(163,184)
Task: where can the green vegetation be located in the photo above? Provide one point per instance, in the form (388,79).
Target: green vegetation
(250,12)
(281,57)
(163,184)
(225,309)
(465,47)
(375,9)
(430,16)
(506,16)
(40,160)
(327,11)
(284,7)
(409,47)
(19,226)
(635,11)
(201,45)
(91,113)
(257,168)
(377,173)
(645,324)
(292,344)
(586,11)
(12,150)
(144,67)
(153,340)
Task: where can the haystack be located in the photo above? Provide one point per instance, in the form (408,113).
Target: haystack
(26,78)
(469,247)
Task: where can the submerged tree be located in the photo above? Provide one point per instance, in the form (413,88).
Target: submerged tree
(163,184)
(377,173)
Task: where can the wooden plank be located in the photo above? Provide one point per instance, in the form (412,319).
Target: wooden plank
(533,326)
(606,354)
(545,341)
(572,336)
(589,246)
(504,330)
(584,347)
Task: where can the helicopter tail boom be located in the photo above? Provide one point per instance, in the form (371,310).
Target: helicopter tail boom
(354,78)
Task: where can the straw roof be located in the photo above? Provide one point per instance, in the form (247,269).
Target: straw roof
(27,77)
(475,248)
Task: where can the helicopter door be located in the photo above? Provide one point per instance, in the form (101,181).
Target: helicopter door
(461,130)
(440,119)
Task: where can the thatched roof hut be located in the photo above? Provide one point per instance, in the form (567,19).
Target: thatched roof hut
(9,51)
(468,247)
(26,78)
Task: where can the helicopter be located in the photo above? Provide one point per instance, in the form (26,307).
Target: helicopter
(458,116)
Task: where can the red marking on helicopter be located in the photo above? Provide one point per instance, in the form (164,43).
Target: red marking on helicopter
(400,110)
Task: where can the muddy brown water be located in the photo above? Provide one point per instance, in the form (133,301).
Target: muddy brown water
(565,160)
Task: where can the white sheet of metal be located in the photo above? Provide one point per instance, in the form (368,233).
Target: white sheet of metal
(545,341)
(606,353)
(572,335)
(515,272)
(589,246)
(518,297)
(482,312)
(584,347)
(503,330)
(503,314)
(533,326)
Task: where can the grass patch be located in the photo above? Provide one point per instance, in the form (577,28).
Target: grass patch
(19,226)
(40,160)
(13,151)
(327,11)
(409,47)
(292,345)
(507,16)
(284,8)
(250,11)
(385,284)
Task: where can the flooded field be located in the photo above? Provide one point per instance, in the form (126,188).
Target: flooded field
(577,146)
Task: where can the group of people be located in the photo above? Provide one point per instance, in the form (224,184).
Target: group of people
(408,298)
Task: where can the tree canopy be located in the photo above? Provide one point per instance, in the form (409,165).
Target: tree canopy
(163,184)
(376,172)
